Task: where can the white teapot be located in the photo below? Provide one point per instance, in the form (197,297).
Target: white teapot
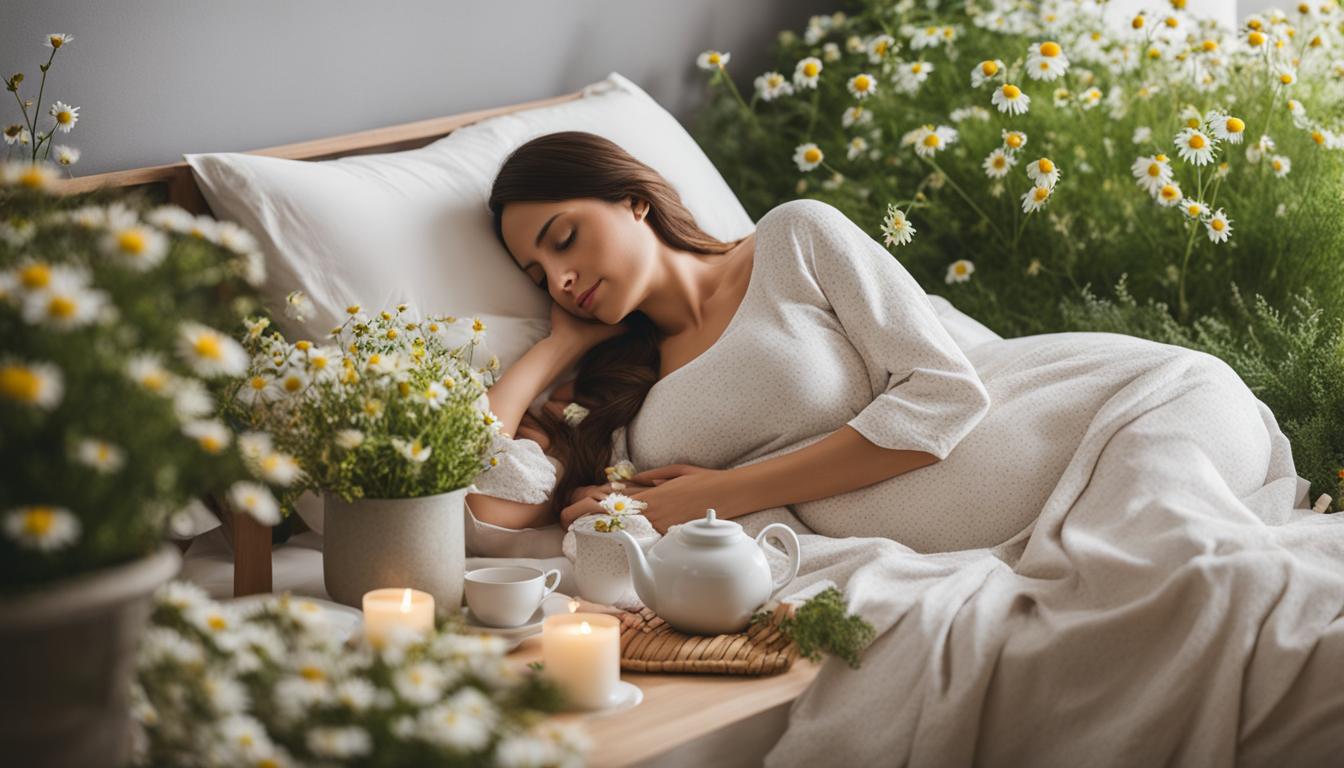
(707,577)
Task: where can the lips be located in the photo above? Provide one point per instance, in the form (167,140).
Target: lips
(587,295)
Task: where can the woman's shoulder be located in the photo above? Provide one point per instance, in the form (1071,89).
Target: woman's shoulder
(800,211)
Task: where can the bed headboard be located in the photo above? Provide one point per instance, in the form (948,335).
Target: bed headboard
(174,183)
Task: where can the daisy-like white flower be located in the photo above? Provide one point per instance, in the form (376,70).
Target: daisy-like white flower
(1142,135)
(298,306)
(856,115)
(17,134)
(878,47)
(896,228)
(1218,227)
(1046,61)
(771,85)
(40,527)
(1062,97)
(1043,172)
(279,468)
(1281,165)
(1226,127)
(65,115)
(1169,194)
(710,60)
(66,302)
(212,436)
(929,141)
(830,52)
(1090,98)
(959,271)
(435,395)
(1194,146)
(349,439)
(35,176)
(412,450)
(857,146)
(1254,152)
(1286,76)
(39,385)
(65,155)
(998,163)
(620,504)
(1010,99)
(807,72)
(807,156)
(927,37)
(912,74)
(1194,209)
(100,455)
(57,39)
(210,353)
(148,371)
(256,500)
(1151,172)
(137,246)
(191,400)
(1035,198)
(862,85)
(574,414)
(1014,140)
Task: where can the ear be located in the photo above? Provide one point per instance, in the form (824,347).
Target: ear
(639,206)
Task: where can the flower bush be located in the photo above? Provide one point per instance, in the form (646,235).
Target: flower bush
(383,408)
(1015,156)
(275,684)
(108,425)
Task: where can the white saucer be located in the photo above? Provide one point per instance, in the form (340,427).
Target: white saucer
(554,603)
(628,696)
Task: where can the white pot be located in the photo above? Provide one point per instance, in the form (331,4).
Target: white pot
(67,657)
(375,543)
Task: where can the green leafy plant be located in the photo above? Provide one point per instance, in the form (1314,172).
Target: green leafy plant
(823,623)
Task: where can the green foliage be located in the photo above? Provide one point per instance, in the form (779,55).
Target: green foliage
(822,624)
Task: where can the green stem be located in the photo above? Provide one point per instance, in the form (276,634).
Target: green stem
(1185,261)
(951,182)
(816,99)
(41,88)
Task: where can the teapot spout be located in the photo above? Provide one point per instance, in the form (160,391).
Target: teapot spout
(640,573)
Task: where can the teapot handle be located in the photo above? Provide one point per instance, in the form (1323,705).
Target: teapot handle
(785,535)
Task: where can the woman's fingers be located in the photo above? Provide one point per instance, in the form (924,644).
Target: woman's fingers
(663,473)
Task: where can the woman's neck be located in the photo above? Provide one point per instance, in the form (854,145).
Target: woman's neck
(684,286)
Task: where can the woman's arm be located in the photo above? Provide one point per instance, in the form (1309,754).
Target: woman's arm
(536,370)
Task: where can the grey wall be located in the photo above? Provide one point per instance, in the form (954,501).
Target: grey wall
(156,78)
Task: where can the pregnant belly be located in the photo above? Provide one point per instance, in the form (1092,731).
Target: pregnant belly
(1044,391)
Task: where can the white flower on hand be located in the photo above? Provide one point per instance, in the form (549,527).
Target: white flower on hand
(959,271)
(620,504)
(574,414)
(896,228)
(254,499)
(43,528)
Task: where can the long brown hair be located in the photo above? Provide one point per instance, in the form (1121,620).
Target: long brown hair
(614,376)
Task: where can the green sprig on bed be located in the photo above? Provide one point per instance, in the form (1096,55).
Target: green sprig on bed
(823,623)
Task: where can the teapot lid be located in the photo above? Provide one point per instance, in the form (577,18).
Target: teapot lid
(710,530)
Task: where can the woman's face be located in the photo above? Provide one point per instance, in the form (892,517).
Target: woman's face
(570,246)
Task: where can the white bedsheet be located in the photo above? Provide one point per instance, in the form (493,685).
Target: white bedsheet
(1175,603)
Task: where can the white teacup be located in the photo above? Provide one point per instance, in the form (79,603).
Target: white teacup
(508,595)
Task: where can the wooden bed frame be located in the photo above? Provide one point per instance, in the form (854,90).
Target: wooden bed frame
(250,540)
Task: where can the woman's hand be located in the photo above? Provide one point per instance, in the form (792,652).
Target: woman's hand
(584,333)
(680,493)
(586,499)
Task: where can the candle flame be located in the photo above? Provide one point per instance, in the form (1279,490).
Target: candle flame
(584,629)
(573,605)
(406,601)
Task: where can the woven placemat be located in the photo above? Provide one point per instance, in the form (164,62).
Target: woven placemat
(649,644)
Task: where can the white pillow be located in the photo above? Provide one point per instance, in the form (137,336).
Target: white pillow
(414,226)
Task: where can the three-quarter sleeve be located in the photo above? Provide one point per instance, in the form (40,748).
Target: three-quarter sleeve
(928,394)
(523,473)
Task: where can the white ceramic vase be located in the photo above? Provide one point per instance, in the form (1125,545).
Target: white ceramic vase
(67,657)
(374,543)
(602,570)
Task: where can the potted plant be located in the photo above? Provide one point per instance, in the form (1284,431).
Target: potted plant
(391,425)
(108,435)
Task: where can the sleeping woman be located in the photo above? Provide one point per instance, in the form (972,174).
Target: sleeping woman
(800,366)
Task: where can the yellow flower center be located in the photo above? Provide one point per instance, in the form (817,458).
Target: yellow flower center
(1256,38)
(1197,141)
(932,140)
(38,521)
(1286,78)
(217,622)
(56,41)
(1278,165)
(477,326)
(714,57)
(1168,192)
(1235,125)
(1172,22)
(1011,91)
(1155,170)
(131,241)
(1218,225)
(207,346)
(1178,4)
(810,69)
(1209,46)
(293,383)
(1014,140)
(1159,157)
(312,673)
(999,161)
(404,387)
(352,309)
(959,268)
(1045,166)
(319,362)
(989,68)
(812,155)
(861,82)
(1193,210)
(1050,49)
(257,383)
(64,117)
(61,307)
(35,276)
(1040,193)
(211,444)
(917,67)
(619,506)
(1138,22)
(1255,24)
(1318,137)
(303,345)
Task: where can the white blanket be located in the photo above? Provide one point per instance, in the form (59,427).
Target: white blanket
(1153,615)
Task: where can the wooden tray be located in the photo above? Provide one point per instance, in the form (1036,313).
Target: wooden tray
(648,644)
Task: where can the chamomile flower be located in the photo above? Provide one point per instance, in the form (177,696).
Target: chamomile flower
(56,40)
(1218,227)
(100,455)
(985,71)
(1090,98)
(1010,99)
(856,115)
(929,141)
(1014,140)
(278,468)
(210,353)
(912,74)
(896,228)
(147,370)
(862,85)
(16,134)
(65,115)
(878,47)
(927,37)
(40,527)
(620,504)
(711,60)
(1151,172)
(1046,61)
(807,156)
(1142,135)
(1194,146)
(254,499)
(66,302)
(412,450)
(65,155)
(298,306)
(349,439)
(857,147)
(137,246)
(1043,172)
(28,175)
(807,72)
(1226,127)
(39,385)
(435,395)
(1194,209)
(830,52)
(1281,165)
(212,436)
(1286,76)
(959,271)
(1168,194)
(1063,97)
(998,163)
(1035,198)
(772,85)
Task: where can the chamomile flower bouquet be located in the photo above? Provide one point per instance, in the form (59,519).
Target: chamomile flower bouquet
(382,408)
(113,316)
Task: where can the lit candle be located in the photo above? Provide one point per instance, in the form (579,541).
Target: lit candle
(581,653)
(388,608)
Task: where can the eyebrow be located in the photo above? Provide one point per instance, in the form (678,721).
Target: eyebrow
(542,234)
